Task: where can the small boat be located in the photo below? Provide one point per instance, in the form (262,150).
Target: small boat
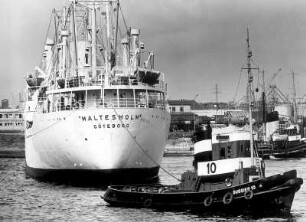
(288,144)
(280,134)
(283,139)
(11,121)
(228,177)
(179,147)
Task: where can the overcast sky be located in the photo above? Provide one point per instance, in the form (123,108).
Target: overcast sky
(198,43)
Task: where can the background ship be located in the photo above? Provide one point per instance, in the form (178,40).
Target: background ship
(11,131)
(95,109)
(11,121)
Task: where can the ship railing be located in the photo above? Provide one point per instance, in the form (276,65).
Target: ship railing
(127,103)
(45,106)
(132,81)
(83,77)
(6,121)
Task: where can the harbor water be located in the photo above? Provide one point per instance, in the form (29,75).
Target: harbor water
(25,199)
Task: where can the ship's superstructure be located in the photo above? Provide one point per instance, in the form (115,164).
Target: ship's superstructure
(95,104)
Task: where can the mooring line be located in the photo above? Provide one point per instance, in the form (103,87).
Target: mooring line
(142,149)
(53,124)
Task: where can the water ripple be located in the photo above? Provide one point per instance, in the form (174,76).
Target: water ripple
(23,199)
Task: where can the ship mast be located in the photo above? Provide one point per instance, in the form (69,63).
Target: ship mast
(74,32)
(94,40)
(249,93)
(116,30)
(294,99)
(108,37)
(64,39)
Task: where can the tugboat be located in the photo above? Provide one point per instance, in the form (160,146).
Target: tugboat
(287,141)
(283,139)
(281,136)
(228,177)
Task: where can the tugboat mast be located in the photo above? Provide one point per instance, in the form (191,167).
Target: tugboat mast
(249,93)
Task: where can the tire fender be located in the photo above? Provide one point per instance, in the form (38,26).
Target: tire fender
(208,201)
(228,198)
(147,203)
(279,200)
(248,195)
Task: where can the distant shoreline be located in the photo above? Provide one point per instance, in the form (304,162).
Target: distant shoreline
(12,153)
(12,133)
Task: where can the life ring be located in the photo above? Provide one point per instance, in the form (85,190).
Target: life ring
(208,201)
(228,182)
(248,195)
(279,200)
(147,203)
(228,198)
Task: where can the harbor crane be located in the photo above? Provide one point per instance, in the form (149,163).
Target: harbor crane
(273,94)
(271,80)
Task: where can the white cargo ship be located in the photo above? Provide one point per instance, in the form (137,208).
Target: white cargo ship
(96,107)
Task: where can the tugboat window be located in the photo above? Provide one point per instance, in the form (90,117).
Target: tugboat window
(229,151)
(222,153)
(241,150)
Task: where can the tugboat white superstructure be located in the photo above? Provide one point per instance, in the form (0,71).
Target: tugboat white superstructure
(96,107)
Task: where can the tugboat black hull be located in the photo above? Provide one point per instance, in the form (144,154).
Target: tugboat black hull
(282,150)
(298,151)
(268,195)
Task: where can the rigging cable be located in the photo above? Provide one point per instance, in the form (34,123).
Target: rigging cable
(142,149)
(237,88)
(46,37)
(125,24)
(53,124)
